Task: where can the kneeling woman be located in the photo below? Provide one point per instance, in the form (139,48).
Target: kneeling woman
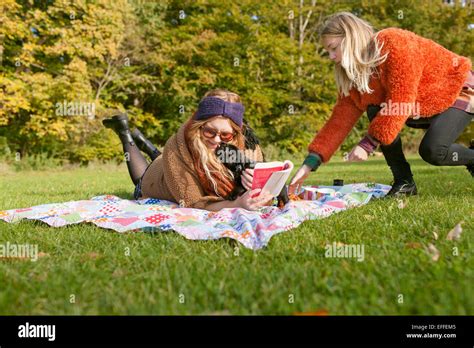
(398,78)
(188,171)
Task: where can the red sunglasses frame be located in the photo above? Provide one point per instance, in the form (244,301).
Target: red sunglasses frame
(222,135)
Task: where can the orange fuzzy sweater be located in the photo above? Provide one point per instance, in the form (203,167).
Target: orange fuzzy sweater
(417,70)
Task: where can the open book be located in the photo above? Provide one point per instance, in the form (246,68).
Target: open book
(271,176)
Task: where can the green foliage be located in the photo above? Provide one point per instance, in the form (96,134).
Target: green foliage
(41,161)
(156,60)
(4,148)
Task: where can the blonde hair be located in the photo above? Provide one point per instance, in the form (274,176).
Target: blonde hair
(360,50)
(208,161)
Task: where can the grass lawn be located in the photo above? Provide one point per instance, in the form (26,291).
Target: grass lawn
(86,270)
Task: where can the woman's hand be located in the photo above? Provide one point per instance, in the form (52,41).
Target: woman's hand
(357,154)
(247,202)
(298,179)
(247,178)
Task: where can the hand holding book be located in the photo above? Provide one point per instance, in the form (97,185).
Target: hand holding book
(271,176)
(247,178)
(253,200)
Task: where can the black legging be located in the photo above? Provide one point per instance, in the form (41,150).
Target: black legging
(136,162)
(437,147)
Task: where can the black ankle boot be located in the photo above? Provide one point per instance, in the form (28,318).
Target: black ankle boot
(119,124)
(470,167)
(405,187)
(144,144)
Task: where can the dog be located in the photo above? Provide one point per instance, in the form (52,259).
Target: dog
(234,160)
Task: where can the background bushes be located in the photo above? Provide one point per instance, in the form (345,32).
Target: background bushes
(156,60)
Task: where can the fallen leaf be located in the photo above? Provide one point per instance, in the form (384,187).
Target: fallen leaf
(321,312)
(40,277)
(455,233)
(92,255)
(435,235)
(368,217)
(434,253)
(118,273)
(401,204)
(413,245)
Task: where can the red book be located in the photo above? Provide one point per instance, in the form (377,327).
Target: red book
(271,176)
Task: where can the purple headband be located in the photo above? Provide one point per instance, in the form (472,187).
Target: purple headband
(212,106)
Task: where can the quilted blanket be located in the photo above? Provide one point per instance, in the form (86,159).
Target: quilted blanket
(252,229)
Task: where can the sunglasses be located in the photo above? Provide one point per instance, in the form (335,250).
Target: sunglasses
(211,133)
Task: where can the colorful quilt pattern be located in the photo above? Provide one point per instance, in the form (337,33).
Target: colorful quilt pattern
(252,229)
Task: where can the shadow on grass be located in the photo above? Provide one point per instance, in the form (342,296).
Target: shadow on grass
(378,161)
(124,194)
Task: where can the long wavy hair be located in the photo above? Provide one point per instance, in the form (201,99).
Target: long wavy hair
(215,178)
(360,50)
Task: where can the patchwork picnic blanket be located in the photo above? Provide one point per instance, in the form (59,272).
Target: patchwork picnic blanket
(252,229)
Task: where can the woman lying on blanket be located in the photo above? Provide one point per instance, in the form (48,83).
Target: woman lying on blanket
(398,78)
(188,171)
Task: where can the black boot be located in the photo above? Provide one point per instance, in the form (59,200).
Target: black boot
(470,167)
(144,144)
(119,124)
(406,187)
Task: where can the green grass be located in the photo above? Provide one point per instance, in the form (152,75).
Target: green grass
(222,277)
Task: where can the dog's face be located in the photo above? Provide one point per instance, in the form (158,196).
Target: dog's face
(233,159)
(236,162)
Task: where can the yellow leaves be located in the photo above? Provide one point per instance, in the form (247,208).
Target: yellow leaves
(9,5)
(13,98)
(207,35)
(11,25)
(39,15)
(112,50)
(205,76)
(57,128)
(77,65)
